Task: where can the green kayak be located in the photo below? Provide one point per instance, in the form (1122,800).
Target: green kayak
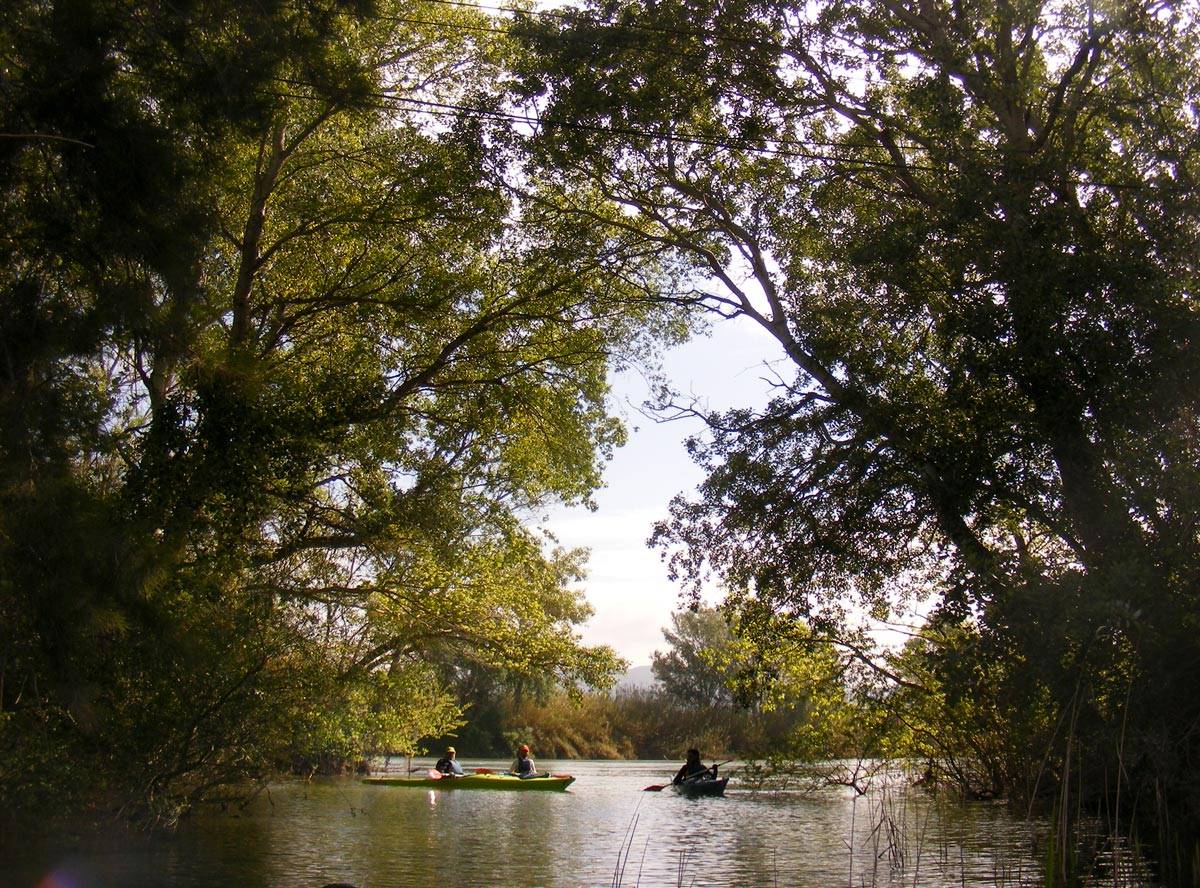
(551,782)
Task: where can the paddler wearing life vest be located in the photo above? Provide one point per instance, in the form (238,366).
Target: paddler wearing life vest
(523,765)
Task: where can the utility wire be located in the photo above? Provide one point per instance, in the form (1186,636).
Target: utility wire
(449,108)
(743,145)
(452,109)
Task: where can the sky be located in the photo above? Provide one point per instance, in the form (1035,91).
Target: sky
(627,585)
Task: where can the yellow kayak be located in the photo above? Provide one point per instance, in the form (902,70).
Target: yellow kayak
(549,782)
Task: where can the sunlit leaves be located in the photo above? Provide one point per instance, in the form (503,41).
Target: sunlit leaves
(307,350)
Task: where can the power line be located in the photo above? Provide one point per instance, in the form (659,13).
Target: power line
(451,109)
(744,145)
(448,108)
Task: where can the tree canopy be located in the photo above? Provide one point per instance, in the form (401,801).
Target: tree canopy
(289,356)
(971,228)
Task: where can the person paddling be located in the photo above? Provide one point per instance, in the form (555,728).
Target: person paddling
(693,769)
(448,764)
(523,766)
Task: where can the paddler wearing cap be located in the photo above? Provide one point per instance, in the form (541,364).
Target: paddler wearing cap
(448,765)
(523,765)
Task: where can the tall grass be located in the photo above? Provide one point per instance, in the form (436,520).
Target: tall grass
(1068,852)
(899,836)
(618,879)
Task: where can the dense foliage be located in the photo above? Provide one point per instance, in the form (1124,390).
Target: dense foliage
(971,228)
(299,321)
(803,712)
(286,356)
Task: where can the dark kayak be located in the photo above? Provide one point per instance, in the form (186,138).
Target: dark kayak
(701,787)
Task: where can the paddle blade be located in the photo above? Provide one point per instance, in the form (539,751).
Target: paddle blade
(484,771)
(434,774)
(656,788)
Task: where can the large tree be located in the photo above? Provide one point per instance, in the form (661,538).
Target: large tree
(287,359)
(971,228)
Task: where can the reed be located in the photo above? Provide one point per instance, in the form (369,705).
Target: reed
(618,879)
(897,838)
(901,853)
(623,852)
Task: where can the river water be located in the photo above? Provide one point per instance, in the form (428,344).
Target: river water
(604,831)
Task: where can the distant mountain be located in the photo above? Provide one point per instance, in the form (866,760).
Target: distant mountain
(638,677)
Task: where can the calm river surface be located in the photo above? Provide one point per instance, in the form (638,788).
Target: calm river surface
(306,835)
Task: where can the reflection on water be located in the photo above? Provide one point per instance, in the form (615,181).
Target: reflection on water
(605,829)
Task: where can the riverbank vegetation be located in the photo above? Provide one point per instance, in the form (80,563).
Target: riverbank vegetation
(307,308)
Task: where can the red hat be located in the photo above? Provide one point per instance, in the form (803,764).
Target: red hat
(523,748)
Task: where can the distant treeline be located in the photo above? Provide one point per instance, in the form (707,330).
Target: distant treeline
(704,696)
(630,724)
